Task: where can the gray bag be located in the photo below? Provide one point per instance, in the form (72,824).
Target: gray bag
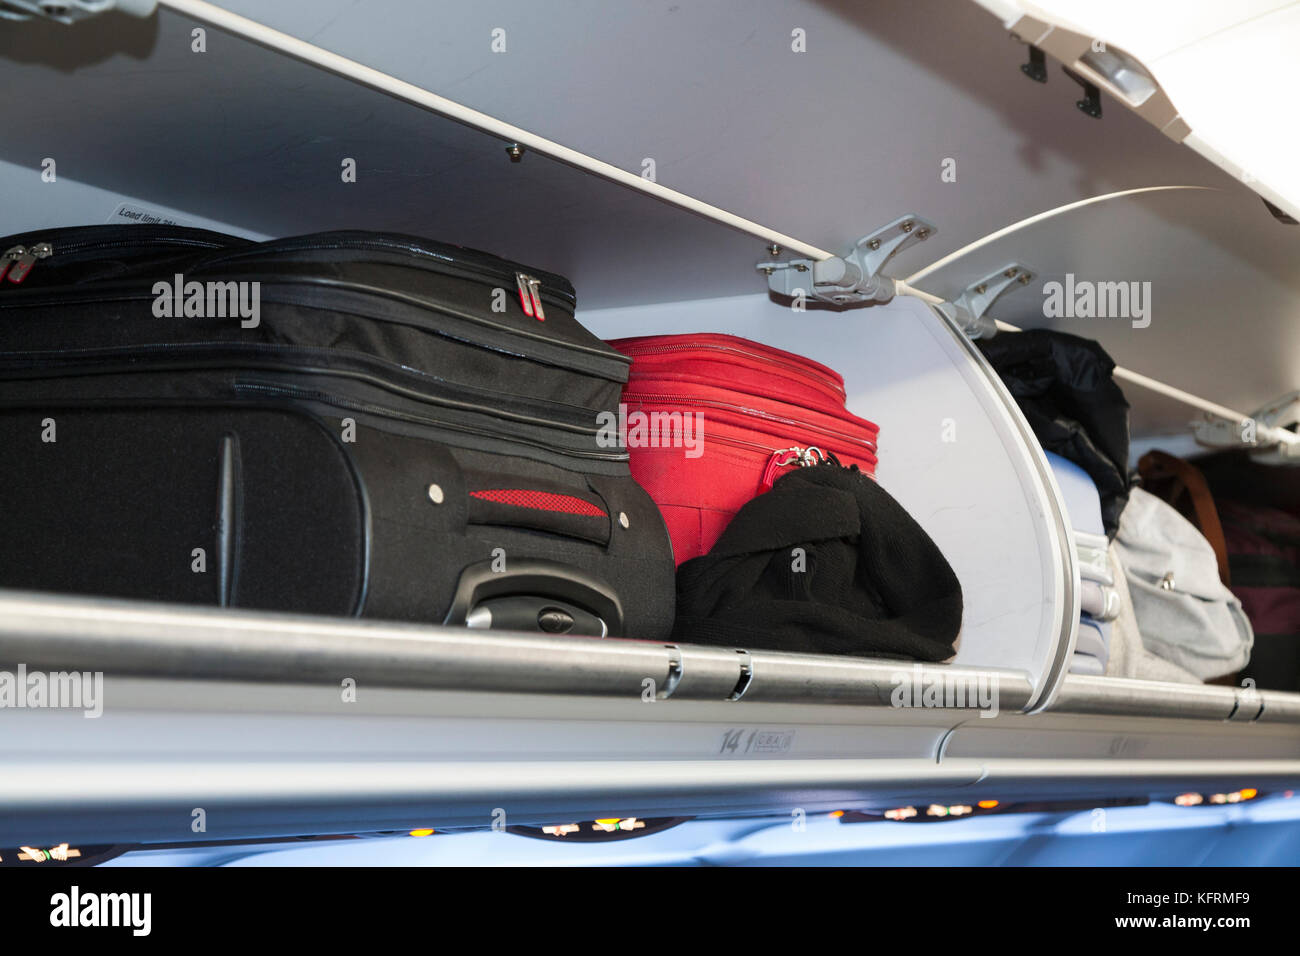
(1184,612)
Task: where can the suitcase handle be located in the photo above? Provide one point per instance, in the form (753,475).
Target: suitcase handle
(553,509)
(534,594)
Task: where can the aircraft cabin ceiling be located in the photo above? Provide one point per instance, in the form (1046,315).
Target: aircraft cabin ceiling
(824,145)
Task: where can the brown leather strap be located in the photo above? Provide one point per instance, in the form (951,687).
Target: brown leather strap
(1171,478)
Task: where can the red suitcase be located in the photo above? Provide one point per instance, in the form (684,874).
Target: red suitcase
(744,413)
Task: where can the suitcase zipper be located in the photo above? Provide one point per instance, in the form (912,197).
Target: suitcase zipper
(784,457)
(749,413)
(130,353)
(530,296)
(18,260)
(11,254)
(599,363)
(802,370)
(779,458)
(339,401)
(466,260)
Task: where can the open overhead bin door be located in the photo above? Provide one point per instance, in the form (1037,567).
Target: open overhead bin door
(1213,76)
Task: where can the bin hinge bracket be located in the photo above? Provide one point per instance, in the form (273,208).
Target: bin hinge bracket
(968,311)
(1268,432)
(852,279)
(70,11)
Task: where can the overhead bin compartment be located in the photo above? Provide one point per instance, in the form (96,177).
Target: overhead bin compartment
(954,450)
(448,718)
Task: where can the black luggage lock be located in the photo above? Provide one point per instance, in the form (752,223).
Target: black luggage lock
(536,595)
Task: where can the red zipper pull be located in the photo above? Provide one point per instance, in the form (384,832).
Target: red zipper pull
(11,255)
(535,291)
(530,296)
(26,258)
(781,458)
(525,296)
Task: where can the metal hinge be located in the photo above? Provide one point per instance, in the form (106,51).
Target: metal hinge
(852,279)
(70,11)
(1267,432)
(968,311)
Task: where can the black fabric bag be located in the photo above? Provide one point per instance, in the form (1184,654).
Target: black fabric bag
(827,563)
(1259,506)
(346,423)
(1065,388)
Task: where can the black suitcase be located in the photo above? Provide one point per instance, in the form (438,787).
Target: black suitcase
(347,423)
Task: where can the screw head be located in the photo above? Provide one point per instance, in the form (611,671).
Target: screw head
(800,267)
(923,234)
(435,494)
(981,289)
(1024,278)
(873,245)
(774,250)
(515,152)
(768,270)
(907,225)
(1010,273)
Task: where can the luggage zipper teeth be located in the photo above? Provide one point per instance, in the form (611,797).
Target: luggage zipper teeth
(465,262)
(801,369)
(605,357)
(750,412)
(68,248)
(200,348)
(339,401)
(611,359)
(502,272)
(18,260)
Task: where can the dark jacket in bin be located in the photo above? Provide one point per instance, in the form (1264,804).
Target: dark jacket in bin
(826,562)
(1064,386)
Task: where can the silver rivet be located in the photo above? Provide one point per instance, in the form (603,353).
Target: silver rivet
(874,244)
(907,226)
(622,519)
(435,494)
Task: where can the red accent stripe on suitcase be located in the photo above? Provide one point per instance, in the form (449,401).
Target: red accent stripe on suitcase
(540,501)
